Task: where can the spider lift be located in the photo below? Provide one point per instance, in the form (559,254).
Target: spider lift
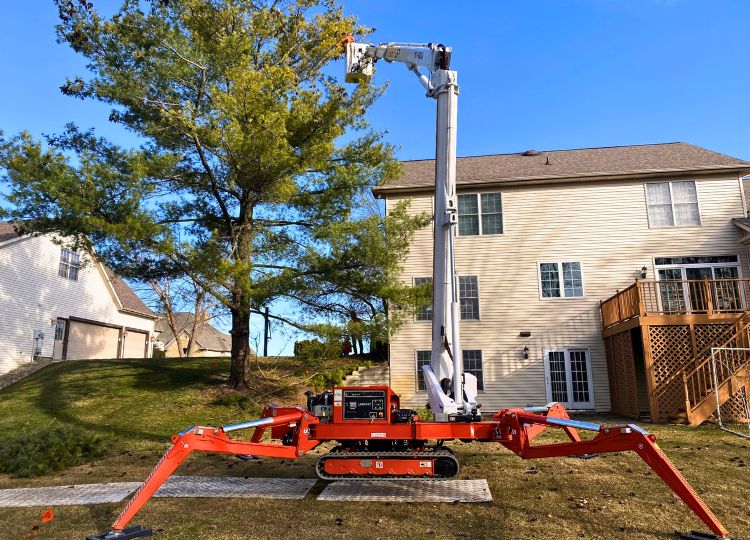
(375,437)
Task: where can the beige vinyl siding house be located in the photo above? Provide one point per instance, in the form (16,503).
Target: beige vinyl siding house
(561,221)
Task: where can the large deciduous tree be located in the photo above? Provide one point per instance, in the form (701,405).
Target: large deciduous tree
(253,165)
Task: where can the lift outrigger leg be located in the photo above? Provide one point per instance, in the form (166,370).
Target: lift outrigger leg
(527,425)
(513,428)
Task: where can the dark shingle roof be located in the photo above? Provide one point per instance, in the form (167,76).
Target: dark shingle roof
(208,336)
(7,231)
(128,299)
(556,165)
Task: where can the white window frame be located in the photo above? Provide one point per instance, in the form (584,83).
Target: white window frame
(417,371)
(560,278)
(479,298)
(591,404)
(671,201)
(478,195)
(414,284)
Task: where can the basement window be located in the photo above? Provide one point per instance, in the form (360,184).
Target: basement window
(70,263)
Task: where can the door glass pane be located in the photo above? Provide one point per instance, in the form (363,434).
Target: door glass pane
(579,377)
(672,290)
(726,291)
(557,377)
(698,287)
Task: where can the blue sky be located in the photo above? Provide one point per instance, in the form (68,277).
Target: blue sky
(533,74)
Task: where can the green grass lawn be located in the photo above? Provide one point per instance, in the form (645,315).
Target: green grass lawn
(137,405)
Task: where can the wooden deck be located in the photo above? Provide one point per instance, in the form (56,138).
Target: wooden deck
(650,302)
(657,336)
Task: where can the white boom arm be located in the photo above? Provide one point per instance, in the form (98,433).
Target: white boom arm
(442,85)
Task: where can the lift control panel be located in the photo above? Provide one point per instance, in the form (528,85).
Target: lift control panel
(373,404)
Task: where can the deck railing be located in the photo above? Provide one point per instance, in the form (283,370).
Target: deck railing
(687,297)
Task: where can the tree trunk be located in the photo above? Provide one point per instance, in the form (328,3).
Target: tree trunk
(239,371)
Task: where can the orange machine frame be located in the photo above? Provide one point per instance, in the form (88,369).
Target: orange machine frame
(513,428)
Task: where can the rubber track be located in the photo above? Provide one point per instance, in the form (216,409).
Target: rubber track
(427,454)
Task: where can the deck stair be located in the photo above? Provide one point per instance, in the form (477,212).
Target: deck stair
(732,374)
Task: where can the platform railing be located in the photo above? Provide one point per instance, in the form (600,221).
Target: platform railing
(684,297)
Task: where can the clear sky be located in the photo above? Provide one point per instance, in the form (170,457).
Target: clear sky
(547,74)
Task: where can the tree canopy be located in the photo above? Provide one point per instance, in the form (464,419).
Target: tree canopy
(254,167)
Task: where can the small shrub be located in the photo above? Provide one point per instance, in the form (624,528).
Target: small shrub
(314,350)
(232,400)
(47,450)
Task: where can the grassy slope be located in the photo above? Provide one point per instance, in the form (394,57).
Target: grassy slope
(137,405)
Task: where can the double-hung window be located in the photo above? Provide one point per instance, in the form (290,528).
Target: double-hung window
(423,311)
(562,279)
(70,262)
(480,213)
(468,289)
(672,204)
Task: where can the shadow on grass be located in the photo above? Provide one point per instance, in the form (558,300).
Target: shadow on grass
(112,397)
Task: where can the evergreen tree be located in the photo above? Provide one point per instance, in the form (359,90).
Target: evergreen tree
(253,168)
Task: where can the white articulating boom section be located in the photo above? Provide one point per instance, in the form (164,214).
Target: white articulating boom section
(442,85)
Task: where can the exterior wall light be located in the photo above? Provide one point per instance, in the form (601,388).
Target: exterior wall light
(644,271)
(525,353)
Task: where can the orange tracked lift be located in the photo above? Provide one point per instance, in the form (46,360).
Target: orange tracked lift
(396,445)
(376,437)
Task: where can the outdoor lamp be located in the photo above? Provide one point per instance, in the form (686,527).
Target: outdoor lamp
(525,353)
(643,272)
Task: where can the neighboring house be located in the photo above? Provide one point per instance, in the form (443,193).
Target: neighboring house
(208,342)
(61,304)
(545,237)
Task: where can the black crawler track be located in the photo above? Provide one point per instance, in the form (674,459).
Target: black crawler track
(441,453)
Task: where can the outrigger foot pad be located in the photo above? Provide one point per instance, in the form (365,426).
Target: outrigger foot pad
(696,535)
(135,531)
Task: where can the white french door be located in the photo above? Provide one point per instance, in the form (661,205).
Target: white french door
(567,373)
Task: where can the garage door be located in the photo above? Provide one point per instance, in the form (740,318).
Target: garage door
(87,340)
(135,345)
